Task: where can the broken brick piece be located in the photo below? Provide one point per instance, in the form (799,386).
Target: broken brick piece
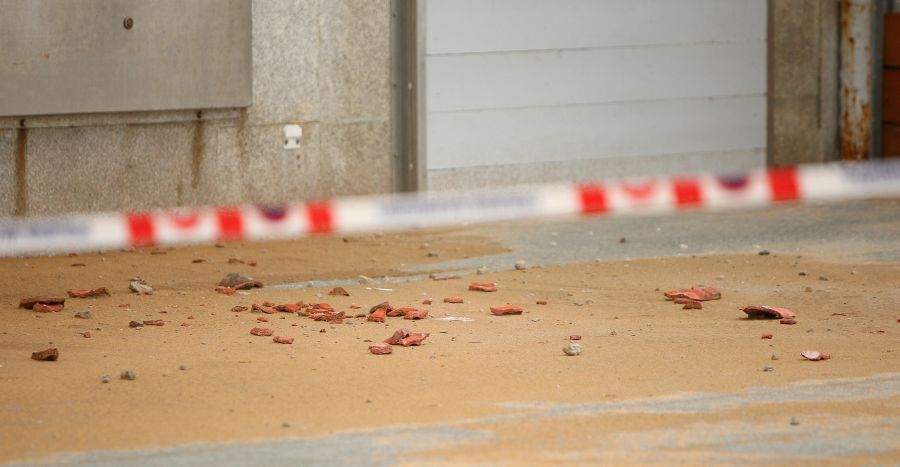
(692,305)
(814,355)
(381,348)
(225,290)
(506,310)
(239,281)
(574,337)
(185,325)
(283,339)
(238,308)
(766,336)
(541,302)
(397,337)
(378,315)
(339,291)
(414,338)
(416,314)
(381,306)
(50,355)
(263,308)
(354,306)
(29,303)
(135,324)
(154,322)
(428,301)
(698,293)
(453,299)
(86,334)
(44,308)
(767,312)
(86,293)
(403,311)
(262,319)
(288,308)
(788,321)
(261,332)
(483,286)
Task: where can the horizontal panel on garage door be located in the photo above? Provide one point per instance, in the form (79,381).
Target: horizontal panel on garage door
(464,82)
(579,132)
(478,26)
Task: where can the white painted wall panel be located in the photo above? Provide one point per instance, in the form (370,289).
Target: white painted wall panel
(513,80)
(477,26)
(511,136)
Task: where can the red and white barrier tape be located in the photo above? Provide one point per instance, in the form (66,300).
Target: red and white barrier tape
(407,211)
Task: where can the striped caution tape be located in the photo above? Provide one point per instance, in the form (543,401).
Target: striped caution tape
(649,196)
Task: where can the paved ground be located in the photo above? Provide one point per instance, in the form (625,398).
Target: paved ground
(748,426)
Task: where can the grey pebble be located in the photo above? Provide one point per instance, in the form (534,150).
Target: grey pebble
(105,379)
(572,349)
(83,315)
(520,264)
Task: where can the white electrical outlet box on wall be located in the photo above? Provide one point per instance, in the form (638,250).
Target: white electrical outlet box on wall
(292,135)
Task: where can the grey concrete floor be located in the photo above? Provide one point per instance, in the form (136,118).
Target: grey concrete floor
(865,231)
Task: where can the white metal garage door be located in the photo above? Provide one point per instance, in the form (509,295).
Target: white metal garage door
(535,90)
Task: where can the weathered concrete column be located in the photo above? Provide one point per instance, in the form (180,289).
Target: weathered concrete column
(857,19)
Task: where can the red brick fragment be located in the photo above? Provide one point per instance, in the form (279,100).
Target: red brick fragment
(788,321)
(29,303)
(283,339)
(123,305)
(814,355)
(767,312)
(262,319)
(354,306)
(185,325)
(766,336)
(378,315)
(225,290)
(44,308)
(574,337)
(51,355)
(239,282)
(398,336)
(86,293)
(251,262)
(86,334)
(154,322)
(323,330)
(261,331)
(416,314)
(190,317)
(483,286)
(414,338)
(506,310)
(453,299)
(541,302)
(692,305)
(339,291)
(428,301)
(698,293)
(288,308)
(269,303)
(238,308)
(263,308)
(381,348)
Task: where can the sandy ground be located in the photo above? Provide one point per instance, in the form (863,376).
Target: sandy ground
(239,387)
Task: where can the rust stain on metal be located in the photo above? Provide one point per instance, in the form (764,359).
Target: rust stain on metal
(21,166)
(197,148)
(856,79)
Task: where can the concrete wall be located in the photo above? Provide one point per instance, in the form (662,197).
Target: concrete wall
(323,63)
(804,108)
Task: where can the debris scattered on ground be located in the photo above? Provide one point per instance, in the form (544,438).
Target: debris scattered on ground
(814,355)
(239,308)
(428,301)
(398,336)
(262,319)
(823,277)
(198,260)
(574,337)
(225,290)
(414,338)
(289,307)
(456,318)
(453,299)
(521,264)
(763,253)
(283,340)
(768,368)
(86,293)
(416,314)
(50,355)
(135,324)
(239,282)
(127,374)
(86,334)
(154,322)
(261,332)
(83,314)
(794,421)
(29,303)
(766,336)
(767,312)
(44,308)
(105,379)
(381,348)
(483,286)
(380,289)
(235,261)
(788,321)
(339,291)
(366,279)
(541,302)
(379,312)
(801,273)
(572,349)
(264,309)
(697,293)
(400,311)
(506,310)
(774,357)
(139,286)
(692,305)
(182,367)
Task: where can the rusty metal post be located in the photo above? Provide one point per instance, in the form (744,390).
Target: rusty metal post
(857,84)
